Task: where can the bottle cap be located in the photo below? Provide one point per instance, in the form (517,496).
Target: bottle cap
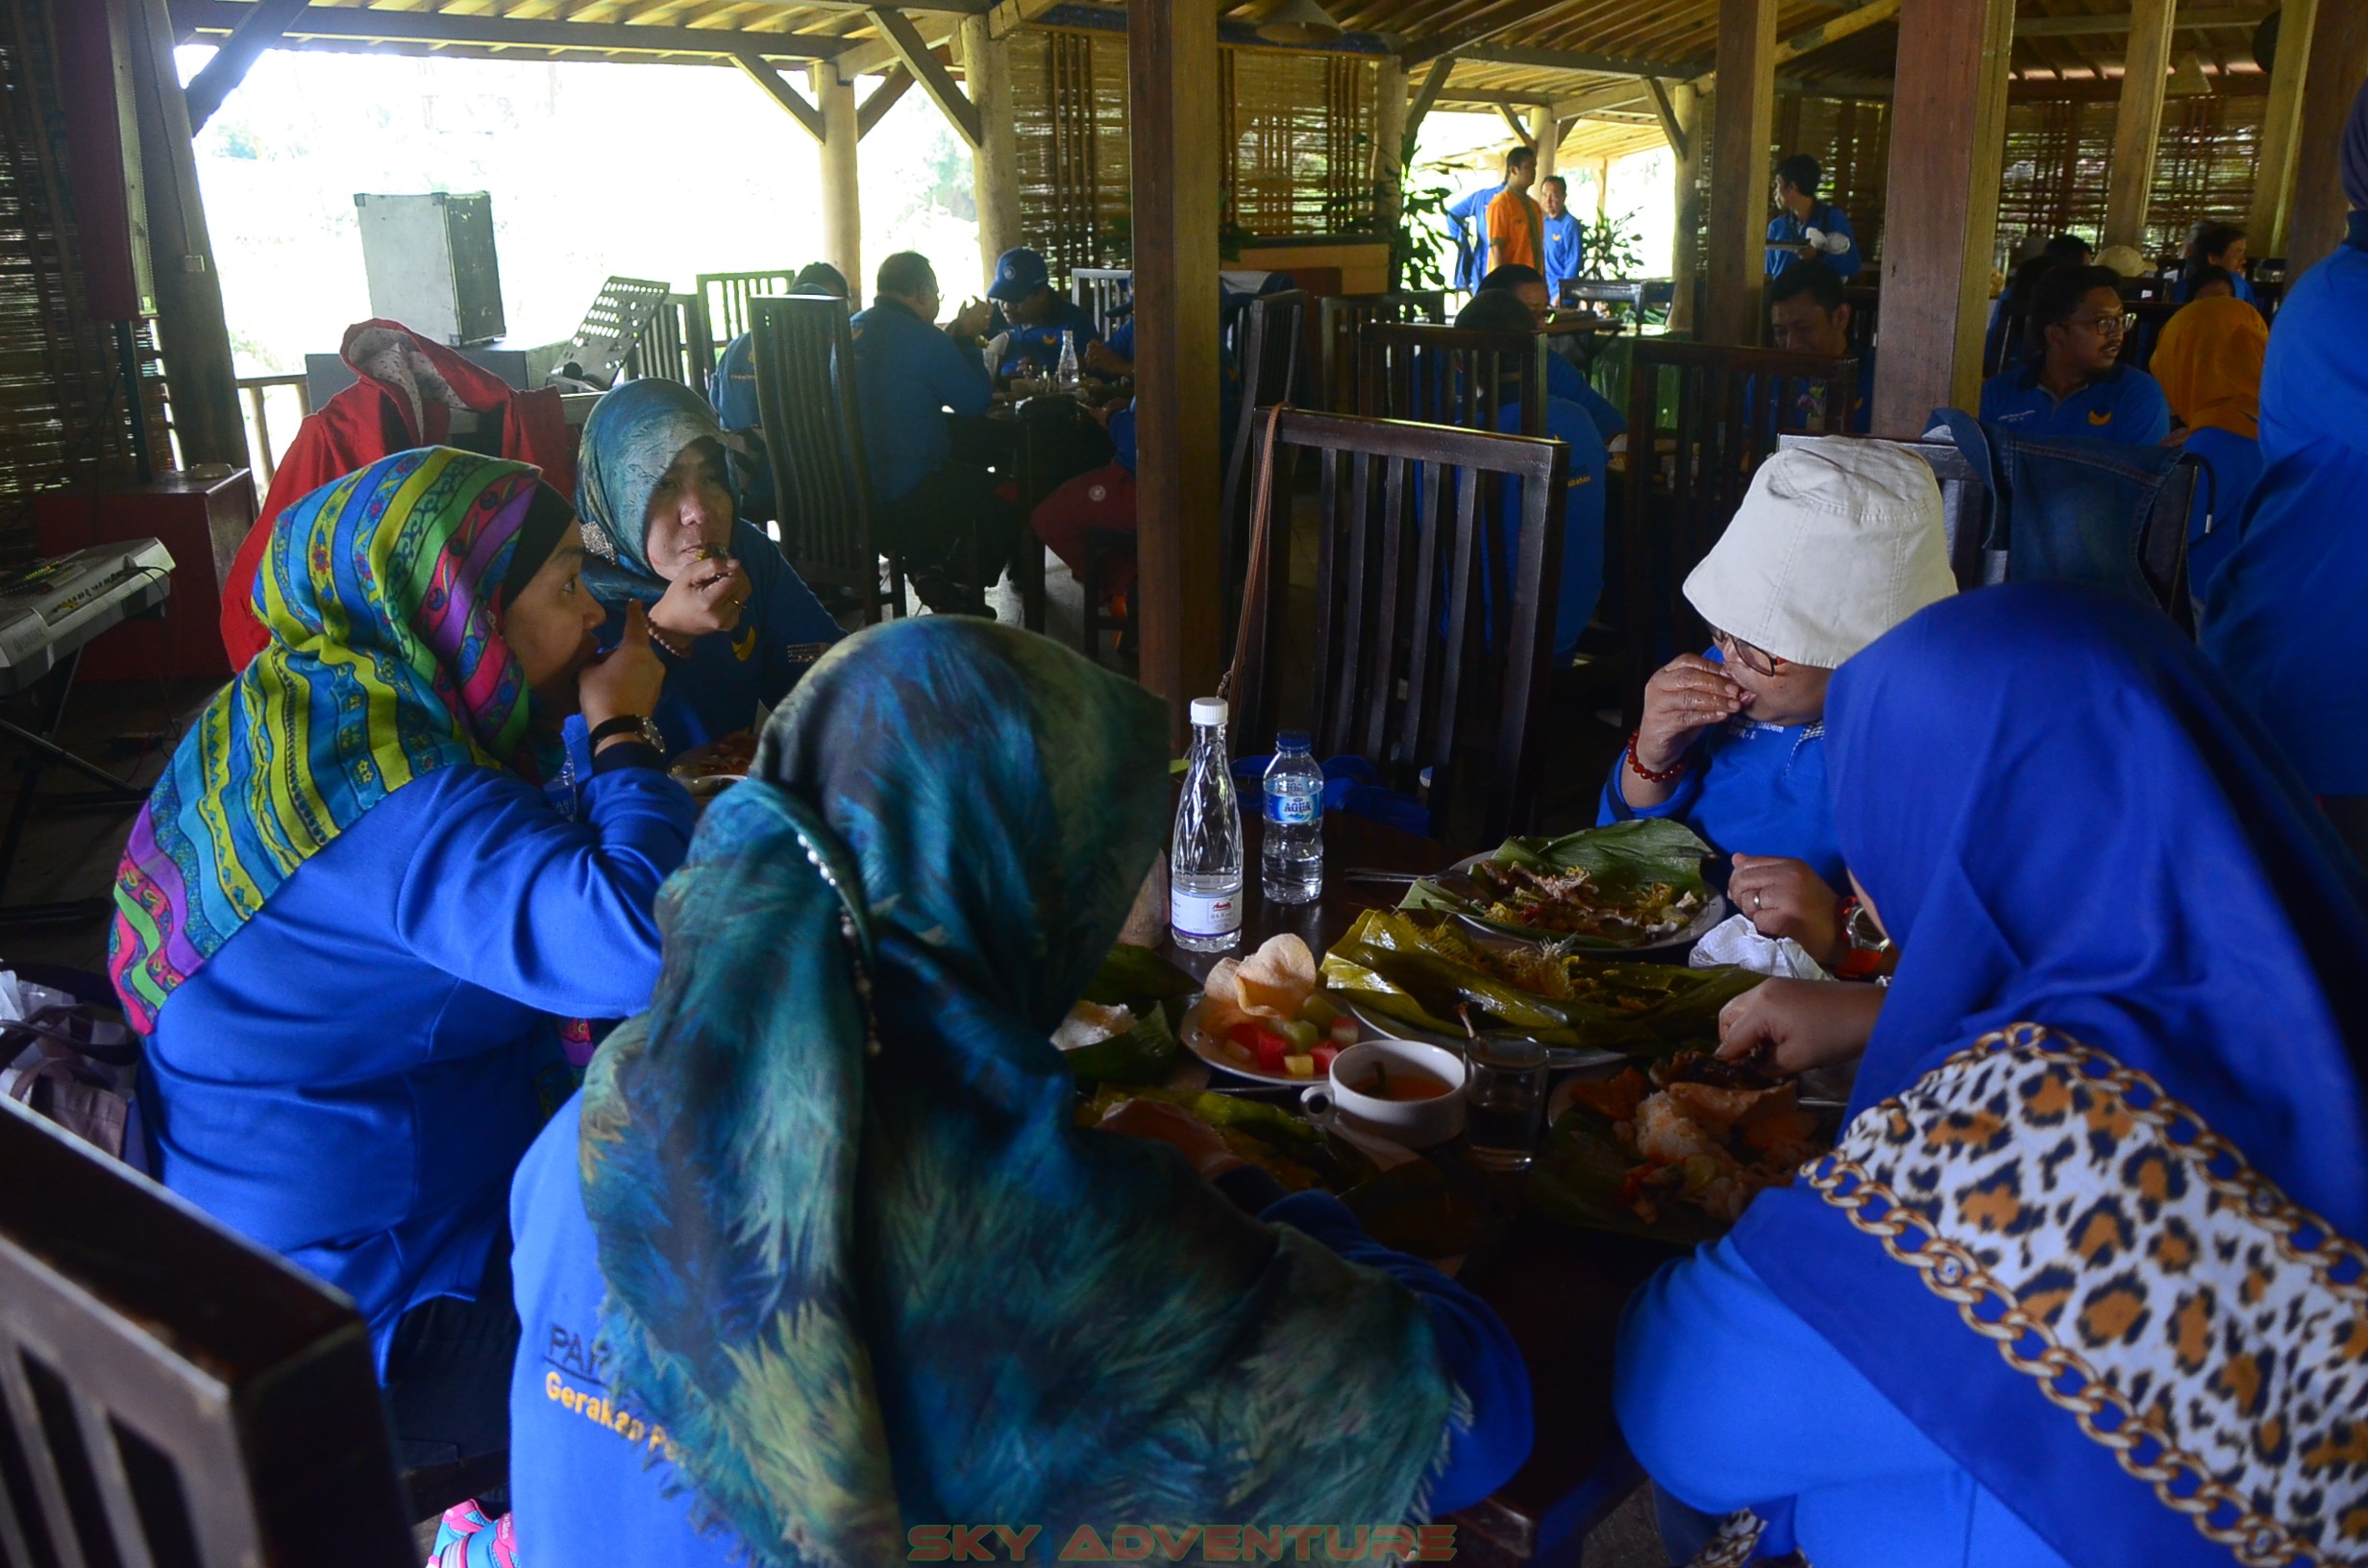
(1294,740)
(1210,710)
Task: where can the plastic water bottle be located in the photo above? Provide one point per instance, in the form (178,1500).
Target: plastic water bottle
(1204,858)
(1066,377)
(1291,851)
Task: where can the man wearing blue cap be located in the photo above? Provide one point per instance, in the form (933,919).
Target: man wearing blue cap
(1034,314)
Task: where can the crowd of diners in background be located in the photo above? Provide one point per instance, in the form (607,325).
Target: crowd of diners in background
(791,1194)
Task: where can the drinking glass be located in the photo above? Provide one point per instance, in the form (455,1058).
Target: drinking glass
(1504,1101)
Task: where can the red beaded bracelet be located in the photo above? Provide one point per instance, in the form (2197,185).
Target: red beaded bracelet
(1674,770)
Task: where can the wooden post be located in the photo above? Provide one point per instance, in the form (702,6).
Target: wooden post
(1603,189)
(2338,61)
(195,336)
(1686,246)
(2273,182)
(842,200)
(1942,219)
(1390,153)
(1746,116)
(1172,95)
(1545,133)
(995,166)
(2137,123)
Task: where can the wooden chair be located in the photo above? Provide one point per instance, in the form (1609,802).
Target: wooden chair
(1686,472)
(1447,376)
(725,296)
(1865,302)
(813,416)
(675,345)
(1407,674)
(1274,331)
(172,1396)
(1105,293)
(1341,321)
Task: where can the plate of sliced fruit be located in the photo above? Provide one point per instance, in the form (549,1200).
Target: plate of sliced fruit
(1267,1018)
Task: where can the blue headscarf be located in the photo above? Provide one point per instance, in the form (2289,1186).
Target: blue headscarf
(2065,823)
(632,438)
(2294,593)
(861,1266)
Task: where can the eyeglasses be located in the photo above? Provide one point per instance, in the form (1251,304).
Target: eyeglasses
(2105,326)
(1757,661)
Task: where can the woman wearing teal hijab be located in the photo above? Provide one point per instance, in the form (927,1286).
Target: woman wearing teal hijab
(734,623)
(820,1244)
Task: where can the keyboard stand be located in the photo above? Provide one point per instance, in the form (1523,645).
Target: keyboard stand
(43,753)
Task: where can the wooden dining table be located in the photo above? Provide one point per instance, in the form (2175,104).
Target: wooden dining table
(1559,1290)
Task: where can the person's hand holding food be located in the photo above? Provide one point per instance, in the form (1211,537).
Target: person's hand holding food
(707,598)
(1785,899)
(973,320)
(1791,1026)
(1686,697)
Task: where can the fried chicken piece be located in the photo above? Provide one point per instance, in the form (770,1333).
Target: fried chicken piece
(1617,1099)
(1666,1133)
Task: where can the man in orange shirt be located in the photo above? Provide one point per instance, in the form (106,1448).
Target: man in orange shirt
(1516,226)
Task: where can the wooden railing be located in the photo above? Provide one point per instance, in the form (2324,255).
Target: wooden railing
(252,389)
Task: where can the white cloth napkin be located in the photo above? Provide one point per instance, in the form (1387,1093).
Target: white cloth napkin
(1738,942)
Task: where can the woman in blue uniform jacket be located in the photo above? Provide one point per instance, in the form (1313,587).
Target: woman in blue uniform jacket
(2083,1280)
(350,920)
(819,1255)
(735,625)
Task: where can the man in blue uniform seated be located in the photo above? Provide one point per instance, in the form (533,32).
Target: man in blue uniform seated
(732,392)
(1564,378)
(1034,315)
(2072,384)
(1805,226)
(1837,542)
(910,372)
(1807,314)
(1565,237)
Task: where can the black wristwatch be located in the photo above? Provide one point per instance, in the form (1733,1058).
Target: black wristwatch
(629,723)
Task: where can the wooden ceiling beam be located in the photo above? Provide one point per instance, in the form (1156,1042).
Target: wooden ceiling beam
(1573,60)
(349,23)
(257,30)
(1433,83)
(780,89)
(920,59)
(1808,42)
(2118,21)
(1666,112)
(1520,132)
(1454,40)
(883,98)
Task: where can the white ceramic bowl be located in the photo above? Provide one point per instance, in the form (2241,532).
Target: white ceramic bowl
(1418,1124)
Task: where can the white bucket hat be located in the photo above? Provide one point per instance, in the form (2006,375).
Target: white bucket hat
(1837,542)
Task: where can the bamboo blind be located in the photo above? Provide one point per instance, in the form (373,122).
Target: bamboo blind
(62,419)
(1297,130)
(2060,156)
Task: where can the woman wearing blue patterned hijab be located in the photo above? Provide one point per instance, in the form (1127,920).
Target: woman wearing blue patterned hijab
(822,1237)
(2081,1281)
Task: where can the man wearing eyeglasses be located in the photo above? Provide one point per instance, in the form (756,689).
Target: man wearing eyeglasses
(2073,384)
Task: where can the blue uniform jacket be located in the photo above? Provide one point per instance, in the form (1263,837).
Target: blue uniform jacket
(2216,523)
(1750,789)
(590,1477)
(1785,228)
(1566,251)
(909,373)
(1470,214)
(352,1079)
(2122,405)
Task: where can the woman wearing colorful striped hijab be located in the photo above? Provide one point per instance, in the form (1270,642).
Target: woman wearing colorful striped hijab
(350,912)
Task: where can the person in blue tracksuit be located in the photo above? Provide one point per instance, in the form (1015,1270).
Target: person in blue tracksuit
(1805,226)
(1469,214)
(1807,314)
(1035,314)
(2220,245)
(910,372)
(1565,237)
(1564,378)
(2072,385)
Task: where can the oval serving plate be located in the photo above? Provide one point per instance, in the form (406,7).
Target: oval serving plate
(1204,1045)
(1457,880)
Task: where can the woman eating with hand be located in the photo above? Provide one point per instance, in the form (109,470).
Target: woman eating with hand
(350,918)
(2083,1280)
(1837,542)
(820,1250)
(734,623)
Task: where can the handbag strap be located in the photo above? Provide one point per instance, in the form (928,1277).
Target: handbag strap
(1254,586)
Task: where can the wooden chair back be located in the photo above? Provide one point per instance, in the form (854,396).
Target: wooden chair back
(1691,451)
(1273,334)
(1341,320)
(675,345)
(1107,294)
(725,296)
(811,413)
(171,1395)
(1408,671)
(1447,376)
(1865,302)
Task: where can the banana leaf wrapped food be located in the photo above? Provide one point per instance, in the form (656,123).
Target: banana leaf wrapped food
(1122,1030)
(1424,971)
(1628,885)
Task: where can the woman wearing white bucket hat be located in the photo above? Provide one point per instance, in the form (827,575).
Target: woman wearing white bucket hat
(1837,542)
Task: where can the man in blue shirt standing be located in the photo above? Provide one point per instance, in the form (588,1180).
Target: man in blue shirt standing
(1469,214)
(908,373)
(1034,315)
(1806,226)
(1566,237)
(1807,314)
(2073,385)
